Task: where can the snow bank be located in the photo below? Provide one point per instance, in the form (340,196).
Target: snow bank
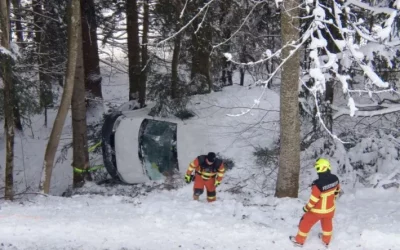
(171,220)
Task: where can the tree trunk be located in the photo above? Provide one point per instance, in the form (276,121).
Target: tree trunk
(242,58)
(90,50)
(175,66)
(8,98)
(145,55)
(133,49)
(176,53)
(54,43)
(226,33)
(227,65)
(329,93)
(201,42)
(242,73)
(18,25)
(52,145)
(17,115)
(20,39)
(200,72)
(289,159)
(79,129)
(46,98)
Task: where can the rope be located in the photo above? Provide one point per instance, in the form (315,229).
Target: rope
(92,169)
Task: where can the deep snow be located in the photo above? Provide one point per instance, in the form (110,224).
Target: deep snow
(365,220)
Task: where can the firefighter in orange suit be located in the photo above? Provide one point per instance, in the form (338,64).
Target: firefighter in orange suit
(209,171)
(321,206)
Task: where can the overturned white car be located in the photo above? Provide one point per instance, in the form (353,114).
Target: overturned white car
(138,148)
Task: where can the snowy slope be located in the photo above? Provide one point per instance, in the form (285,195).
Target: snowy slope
(365,220)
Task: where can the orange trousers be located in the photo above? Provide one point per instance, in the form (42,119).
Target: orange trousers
(200,183)
(307,222)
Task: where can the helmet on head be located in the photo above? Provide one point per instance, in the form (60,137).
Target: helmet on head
(322,165)
(211,157)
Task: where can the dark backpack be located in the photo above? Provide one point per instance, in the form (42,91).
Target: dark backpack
(209,168)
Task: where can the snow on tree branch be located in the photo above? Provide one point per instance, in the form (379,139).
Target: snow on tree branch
(380,110)
(187,24)
(314,93)
(397,4)
(349,48)
(258,100)
(357,40)
(183,9)
(8,52)
(202,21)
(374,9)
(5,51)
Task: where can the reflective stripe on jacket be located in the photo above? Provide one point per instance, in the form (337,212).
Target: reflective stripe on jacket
(207,172)
(323,195)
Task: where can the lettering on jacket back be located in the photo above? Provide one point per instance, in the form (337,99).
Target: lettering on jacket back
(329,186)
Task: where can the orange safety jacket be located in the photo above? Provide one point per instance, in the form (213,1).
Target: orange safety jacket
(323,195)
(200,166)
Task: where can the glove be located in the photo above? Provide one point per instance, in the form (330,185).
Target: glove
(337,194)
(216,184)
(305,209)
(188,178)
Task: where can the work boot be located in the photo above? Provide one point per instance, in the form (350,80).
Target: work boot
(325,244)
(195,197)
(293,239)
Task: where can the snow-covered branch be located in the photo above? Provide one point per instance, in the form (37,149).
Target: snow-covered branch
(382,109)
(258,100)
(202,21)
(314,93)
(375,10)
(187,24)
(183,9)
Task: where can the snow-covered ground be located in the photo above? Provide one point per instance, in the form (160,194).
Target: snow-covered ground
(365,220)
(251,219)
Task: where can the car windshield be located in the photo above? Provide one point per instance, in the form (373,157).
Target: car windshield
(158,147)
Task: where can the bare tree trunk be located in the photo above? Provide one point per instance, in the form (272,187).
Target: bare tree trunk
(242,73)
(8,97)
(133,49)
(20,38)
(79,127)
(52,145)
(90,49)
(226,34)
(145,55)
(289,159)
(17,115)
(201,55)
(18,25)
(329,93)
(46,98)
(176,53)
(242,57)
(175,65)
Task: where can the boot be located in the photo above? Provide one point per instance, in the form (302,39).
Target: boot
(195,197)
(325,244)
(293,239)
